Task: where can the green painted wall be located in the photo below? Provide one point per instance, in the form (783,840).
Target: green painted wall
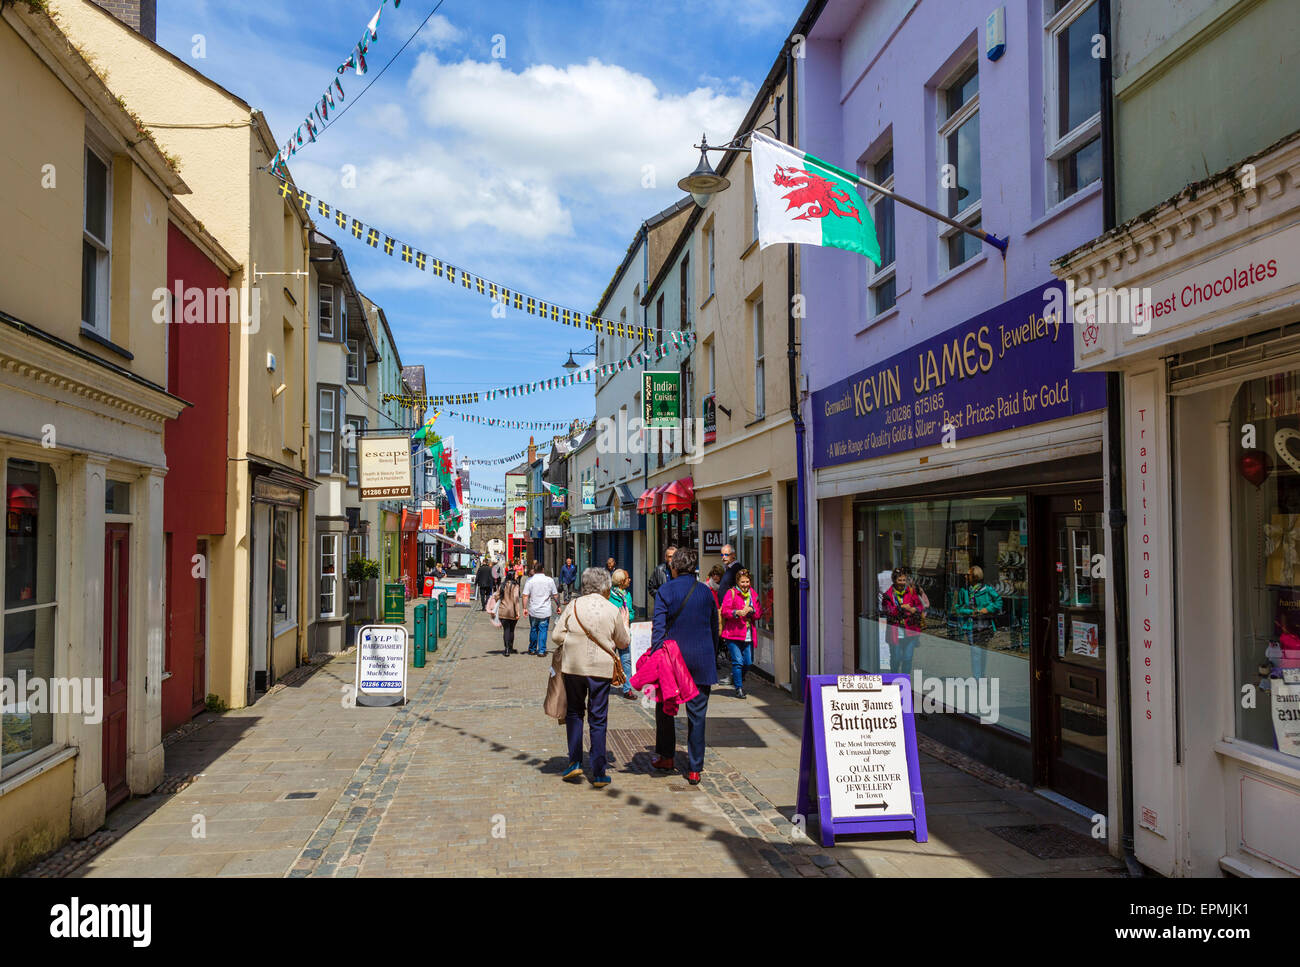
(1216,90)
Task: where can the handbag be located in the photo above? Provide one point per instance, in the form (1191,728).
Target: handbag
(619,678)
(556,702)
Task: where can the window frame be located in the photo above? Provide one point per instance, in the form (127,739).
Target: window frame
(291,570)
(332,576)
(879,277)
(351,461)
(949,124)
(712,249)
(335,396)
(1059,148)
(321,315)
(354,374)
(760,360)
(102,323)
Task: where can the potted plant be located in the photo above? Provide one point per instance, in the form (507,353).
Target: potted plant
(365,573)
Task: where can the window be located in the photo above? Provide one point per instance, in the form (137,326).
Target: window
(329,557)
(760,388)
(325,299)
(883,284)
(688,316)
(959,153)
(356,551)
(708,242)
(96,234)
(284,569)
(747,527)
(713,371)
(350,450)
(328,405)
(343,315)
(30,549)
(354,361)
(1074,98)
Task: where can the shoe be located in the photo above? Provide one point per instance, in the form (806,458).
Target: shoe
(740,693)
(573,773)
(693,778)
(531,651)
(541,654)
(663,762)
(631,695)
(600,782)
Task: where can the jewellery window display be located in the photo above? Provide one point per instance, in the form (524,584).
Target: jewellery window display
(1266,538)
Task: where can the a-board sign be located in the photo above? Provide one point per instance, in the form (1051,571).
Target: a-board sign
(394,603)
(464,592)
(641,631)
(381,664)
(859,736)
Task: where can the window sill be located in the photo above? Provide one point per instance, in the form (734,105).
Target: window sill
(277,631)
(1270,760)
(755,422)
(1075,200)
(37,769)
(745,254)
(957,272)
(887,314)
(712,296)
(88,333)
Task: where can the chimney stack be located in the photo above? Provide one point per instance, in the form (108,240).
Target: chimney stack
(140,15)
(532,451)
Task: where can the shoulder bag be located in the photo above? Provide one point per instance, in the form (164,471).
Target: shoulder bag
(619,678)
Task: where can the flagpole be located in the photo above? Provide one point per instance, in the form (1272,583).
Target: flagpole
(999,243)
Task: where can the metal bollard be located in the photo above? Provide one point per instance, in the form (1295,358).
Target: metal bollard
(442,615)
(431,637)
(421,618)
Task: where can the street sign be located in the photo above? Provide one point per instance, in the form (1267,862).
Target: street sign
(661,393)
(860,736)
(713,542)
(554,531)
(385,467)
(381,665)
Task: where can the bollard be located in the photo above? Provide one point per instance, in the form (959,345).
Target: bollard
(421,617)
(442,615)
(431,636)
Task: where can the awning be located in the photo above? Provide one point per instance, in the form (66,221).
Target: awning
(676,496)
(451,541)
(645,502)
(410,522)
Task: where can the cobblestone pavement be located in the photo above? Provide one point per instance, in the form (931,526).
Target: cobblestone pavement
(464,781)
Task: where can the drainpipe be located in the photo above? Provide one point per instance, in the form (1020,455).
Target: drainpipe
(304,547)
(645,450)
(792,355)
(1115,472)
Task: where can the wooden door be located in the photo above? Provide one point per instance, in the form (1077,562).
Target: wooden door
(117,582)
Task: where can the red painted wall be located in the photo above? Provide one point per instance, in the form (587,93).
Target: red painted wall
(194,490)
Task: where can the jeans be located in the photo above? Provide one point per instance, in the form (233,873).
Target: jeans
(508,633)
(577,688)
(978,655)
(666,737)
(742,654)
(900,654)
(625,656)
(537,628)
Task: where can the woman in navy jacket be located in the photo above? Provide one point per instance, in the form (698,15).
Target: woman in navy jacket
(686,612)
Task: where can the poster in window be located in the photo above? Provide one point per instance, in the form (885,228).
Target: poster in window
(1085,641)
(1285,692)
(1282,549)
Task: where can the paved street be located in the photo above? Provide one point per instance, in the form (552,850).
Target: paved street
(464,781)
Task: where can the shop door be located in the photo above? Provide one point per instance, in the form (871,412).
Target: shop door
(117,582)
(1070,660)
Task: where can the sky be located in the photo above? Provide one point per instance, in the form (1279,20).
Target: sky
(524,140)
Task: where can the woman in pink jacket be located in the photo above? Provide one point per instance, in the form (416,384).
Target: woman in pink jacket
(740,614)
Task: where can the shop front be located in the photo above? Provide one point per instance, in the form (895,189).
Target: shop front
(963,479)
(617,531)
(580,530)
(1207,338)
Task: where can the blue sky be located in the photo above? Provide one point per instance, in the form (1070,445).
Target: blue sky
(527,168)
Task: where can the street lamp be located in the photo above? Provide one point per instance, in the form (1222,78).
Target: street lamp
(571,364)
(704,181)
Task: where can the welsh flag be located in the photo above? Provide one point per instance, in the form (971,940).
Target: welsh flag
(803,199)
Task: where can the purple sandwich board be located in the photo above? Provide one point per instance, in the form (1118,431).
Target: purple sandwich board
(859,733)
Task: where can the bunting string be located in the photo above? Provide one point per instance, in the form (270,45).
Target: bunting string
(506,296)
(576,425)
(675,342)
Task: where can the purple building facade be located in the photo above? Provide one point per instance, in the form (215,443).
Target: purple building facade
(949,436)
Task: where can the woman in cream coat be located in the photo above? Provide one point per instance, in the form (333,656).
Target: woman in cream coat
(589,635)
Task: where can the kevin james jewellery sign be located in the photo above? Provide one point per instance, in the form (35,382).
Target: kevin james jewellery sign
(1008,367)
(860,739)
(385,467)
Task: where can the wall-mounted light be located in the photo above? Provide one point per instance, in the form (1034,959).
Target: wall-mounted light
(270,362)
(278,390)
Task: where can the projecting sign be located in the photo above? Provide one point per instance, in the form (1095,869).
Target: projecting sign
(860,738)
(711,418)
(553,531)
(385,467)
(589,495)
(661,395)
(381,665)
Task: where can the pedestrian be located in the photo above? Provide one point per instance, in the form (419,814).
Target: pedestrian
(976,605)
(715,581)
(509,608)
(611,566)
(498,573)
(661,575)
(540,598)
(620,596)
(483,580)
(568,575)
(730,570)
(686,613)
(740,614)
(589,634)
(905,613)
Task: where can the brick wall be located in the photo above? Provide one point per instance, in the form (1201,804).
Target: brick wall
(139,15)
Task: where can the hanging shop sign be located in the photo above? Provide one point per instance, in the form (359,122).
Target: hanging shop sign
(589,495)
(711,418)
(662,396)
(381,664)
(385,467)
(1009,367)
(554,532)
(859,736)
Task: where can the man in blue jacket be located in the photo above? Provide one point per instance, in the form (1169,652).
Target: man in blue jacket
(568,574)
(686,613)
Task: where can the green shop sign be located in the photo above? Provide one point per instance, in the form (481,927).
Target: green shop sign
(662,395)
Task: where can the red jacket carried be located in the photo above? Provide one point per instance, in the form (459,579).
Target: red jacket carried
(665,669)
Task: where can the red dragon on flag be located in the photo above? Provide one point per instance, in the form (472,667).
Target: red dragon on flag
(812,189)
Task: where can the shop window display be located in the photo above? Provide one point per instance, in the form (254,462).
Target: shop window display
(966,562)
(1266,536)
